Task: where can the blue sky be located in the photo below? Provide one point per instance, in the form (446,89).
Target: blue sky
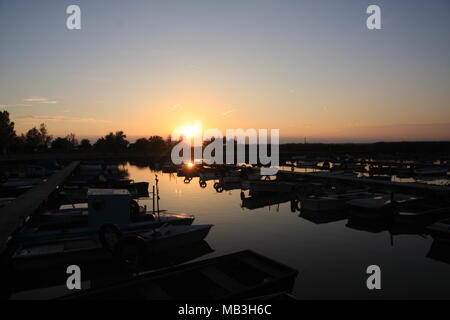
(310,68)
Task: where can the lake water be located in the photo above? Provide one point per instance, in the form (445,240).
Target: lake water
(331,258)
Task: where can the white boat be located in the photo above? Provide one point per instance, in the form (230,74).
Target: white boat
(381,201)
(379,205)
(330,202)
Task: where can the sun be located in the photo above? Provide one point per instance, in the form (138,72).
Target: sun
(190,131)
(190,165)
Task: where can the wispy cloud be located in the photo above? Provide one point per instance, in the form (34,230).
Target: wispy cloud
(42,100)
(59,118)
(16,105)
(223,114)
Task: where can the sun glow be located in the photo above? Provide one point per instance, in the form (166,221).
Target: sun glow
(190,130)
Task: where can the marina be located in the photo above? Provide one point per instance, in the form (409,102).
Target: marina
(292,210)
(224,159)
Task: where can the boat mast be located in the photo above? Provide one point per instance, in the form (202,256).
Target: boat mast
(157,196)
(153,200)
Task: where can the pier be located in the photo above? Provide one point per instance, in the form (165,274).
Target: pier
(14,215)
(414,188)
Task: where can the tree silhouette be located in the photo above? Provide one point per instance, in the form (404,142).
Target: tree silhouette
(85,145)
(112,142)
(7,133)
(38,138)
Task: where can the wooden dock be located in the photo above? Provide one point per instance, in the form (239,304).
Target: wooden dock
(391,186)
(13,215)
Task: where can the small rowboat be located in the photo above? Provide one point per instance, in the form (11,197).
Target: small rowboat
(379,205)
(240,275)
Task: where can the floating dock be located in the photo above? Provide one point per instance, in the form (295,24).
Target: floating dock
(14,215)
(413,188)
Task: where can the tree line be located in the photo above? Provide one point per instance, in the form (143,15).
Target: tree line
(38,139)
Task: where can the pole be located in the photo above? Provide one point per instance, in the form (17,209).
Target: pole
(153,199)
(157,197)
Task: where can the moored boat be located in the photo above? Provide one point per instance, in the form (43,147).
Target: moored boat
(330,202)
(422,212)
(240,275)
(105,206)
(130,247)
(378,205)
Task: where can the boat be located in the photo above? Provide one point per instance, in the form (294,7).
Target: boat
(50,283)
(207,173)
(189,170)
(240,275)
(228,175)
(422,212)
(271,186)
(256,202)
(16,186)
(378,205)
(105,206)
(110,243)
(75,194)
(99,181)
(330,202)
(227,186)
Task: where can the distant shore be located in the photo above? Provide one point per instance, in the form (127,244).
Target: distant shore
(393,150)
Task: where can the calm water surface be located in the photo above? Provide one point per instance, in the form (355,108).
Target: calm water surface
(331,258)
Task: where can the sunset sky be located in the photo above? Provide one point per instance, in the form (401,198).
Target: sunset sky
(309,68)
